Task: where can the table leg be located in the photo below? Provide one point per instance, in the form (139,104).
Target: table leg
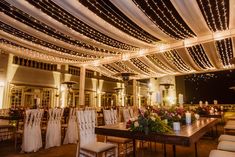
(216,130)
(195,144)
(174,150)
(134,148)
(164,147)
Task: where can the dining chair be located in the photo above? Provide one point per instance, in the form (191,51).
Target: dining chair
(226,146)
(221,153)
(229,126)
(225,137)
(87,144)
(32,139)
(124,144)
(126,115)
(53,130)
(71,135)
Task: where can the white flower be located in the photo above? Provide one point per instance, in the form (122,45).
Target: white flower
(136,124)
(152,118)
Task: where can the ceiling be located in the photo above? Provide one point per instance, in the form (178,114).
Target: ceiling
(151,38)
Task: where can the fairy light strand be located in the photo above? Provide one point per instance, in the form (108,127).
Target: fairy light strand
(34,23)
(105,9)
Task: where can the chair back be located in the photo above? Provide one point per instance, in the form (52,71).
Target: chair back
(131,112)
(53,133)
(71,135)
(107,117)
(86,124)
(126,115)
(32,139)
(110,116)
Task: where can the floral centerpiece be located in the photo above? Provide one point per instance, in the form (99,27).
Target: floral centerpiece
(148,122)
(207,109)
(202,110)
(173,114)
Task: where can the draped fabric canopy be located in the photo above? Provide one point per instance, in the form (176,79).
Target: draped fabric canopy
(151,38)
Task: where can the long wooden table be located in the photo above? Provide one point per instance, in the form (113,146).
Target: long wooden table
(6,130)
(188,135)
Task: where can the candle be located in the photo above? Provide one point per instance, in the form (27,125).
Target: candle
(181,99)
(200,103)
(188,117)
(176,126)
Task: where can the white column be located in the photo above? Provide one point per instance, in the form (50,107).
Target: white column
(11,70)
(135,96)
(82,86)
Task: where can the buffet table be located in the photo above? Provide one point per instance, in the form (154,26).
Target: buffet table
(187,136)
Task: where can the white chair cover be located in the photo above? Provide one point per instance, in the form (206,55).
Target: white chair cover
(53,134)
(86,123)
(110,116)
(126,115)
(71,135)
(87,126)
(32,139)
(107,117)
(131,112)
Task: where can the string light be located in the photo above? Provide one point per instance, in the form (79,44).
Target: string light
(34,23)
(28,37)
(198,55)
(224,49)
(176,33)
(143,67)
(111,68)
(212,18)
(27,53)
(77,25)
(173,57)
(153,58)
(110,13)
(124,67)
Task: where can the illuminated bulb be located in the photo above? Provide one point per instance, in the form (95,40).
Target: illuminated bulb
(125,57)
(142,52)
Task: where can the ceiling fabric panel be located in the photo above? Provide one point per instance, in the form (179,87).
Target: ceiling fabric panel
(216,13)
(28,8)
(225,51)
(231,14)
(167,63)
(212,53)
(136,15)
(165,16)
(188,60)
(233,42)
(30,31)
(136,69)
(176,61)
(39,48)
(190,12)
(199,56)
(16,50)
(80,11)
(155,68)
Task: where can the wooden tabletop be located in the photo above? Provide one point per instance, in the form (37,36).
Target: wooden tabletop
(5,124)
(188,135)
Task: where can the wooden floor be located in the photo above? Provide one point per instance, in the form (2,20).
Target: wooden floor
(204,146)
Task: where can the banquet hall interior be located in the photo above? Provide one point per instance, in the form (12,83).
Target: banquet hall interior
(117,78)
